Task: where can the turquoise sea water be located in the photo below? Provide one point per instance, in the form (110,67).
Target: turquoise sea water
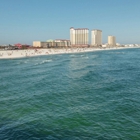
(83,96)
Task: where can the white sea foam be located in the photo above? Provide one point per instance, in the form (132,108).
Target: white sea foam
(21,62)
(82,55)
(43,62)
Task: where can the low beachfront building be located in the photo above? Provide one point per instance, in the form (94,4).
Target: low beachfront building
(62,42)
(52,43)
(36,43)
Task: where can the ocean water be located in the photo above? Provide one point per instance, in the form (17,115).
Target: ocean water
(85,96)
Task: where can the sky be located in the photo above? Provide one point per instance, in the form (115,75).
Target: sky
(25,21)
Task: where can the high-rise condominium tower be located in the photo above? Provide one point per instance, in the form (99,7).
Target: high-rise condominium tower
(79,36)
(96,37)
(111,41)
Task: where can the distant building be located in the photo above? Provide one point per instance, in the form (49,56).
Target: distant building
(79,36)
(111,41)
(105,45)
(96,37)
(52,43)
(18,45)
(62,42)
(36,43)
(118,44)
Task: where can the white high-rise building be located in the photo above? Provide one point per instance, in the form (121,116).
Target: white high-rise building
(111,41)
(79,36)
(96,37)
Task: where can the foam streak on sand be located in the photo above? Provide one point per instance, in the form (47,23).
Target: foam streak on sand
(9,54)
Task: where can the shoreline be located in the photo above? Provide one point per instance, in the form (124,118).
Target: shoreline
(13,54)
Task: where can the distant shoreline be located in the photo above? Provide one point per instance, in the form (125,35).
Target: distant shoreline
(11,54)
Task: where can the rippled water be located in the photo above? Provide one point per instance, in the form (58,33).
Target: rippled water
(83,96)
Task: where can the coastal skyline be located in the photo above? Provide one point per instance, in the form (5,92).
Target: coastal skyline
(25,21)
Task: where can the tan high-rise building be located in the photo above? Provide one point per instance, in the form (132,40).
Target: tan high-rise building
(111,41)
(96,37)
(79,36)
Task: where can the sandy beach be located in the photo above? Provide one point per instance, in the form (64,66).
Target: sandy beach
(10,54)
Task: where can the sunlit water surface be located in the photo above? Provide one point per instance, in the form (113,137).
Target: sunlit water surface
(83,96)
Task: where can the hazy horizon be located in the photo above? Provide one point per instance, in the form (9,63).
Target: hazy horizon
(28,21)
